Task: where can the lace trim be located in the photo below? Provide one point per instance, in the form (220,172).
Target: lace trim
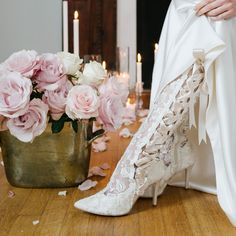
(156,138)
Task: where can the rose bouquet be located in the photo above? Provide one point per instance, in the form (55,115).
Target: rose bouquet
(56,88)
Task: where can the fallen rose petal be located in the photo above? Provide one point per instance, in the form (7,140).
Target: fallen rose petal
(35,222)
(11,194)
(99,147)
(143,113)
(125,133)
(87,184)
(105,166)
(62,193)
(142,119)
(127,121)
(96,170)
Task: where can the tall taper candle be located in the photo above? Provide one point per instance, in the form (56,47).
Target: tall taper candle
(65,26)
(155,51)
(76,33)
(139,69)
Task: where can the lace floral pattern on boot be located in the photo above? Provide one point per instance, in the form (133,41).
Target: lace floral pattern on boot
(150,156)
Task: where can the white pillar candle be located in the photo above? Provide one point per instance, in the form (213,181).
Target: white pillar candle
(65,26)
(139,69)
(76,33)
(156,51)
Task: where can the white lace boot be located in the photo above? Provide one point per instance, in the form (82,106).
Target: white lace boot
(149,158)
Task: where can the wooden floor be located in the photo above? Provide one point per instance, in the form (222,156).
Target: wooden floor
(179,211)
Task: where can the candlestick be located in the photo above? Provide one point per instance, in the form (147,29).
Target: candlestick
(155,51)
(76,33)
(139,69)
(65,26)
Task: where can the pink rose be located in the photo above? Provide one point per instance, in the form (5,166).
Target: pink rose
(15,93)
(51,74)
(31,124)
(3,70)
(24,62)
(56,100)
(3,123)
(113,86)
(82,102)
(110,112)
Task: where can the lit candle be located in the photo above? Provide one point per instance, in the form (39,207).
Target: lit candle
(104,65)
(76,33)
(129,105)
(65,26)
(139,69)
(155,51)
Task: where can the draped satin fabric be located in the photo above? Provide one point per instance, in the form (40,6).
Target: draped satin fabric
(182,33)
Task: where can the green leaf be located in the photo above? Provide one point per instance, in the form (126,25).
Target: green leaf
(57,126)
(75,125)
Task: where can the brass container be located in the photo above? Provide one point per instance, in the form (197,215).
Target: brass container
(52,160)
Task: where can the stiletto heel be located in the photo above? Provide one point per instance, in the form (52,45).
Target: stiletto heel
(187,170)
(155,194)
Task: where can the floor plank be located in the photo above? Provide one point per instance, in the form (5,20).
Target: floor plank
(179,211)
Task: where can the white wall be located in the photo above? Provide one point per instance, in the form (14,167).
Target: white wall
(126,32)
(30,24)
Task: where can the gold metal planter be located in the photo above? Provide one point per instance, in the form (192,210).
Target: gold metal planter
(52,160)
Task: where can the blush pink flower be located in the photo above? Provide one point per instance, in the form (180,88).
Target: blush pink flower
(51,74)
(114,87)
(110,112)
(112,97)
(15,93)
(31,124)
(82,102)
(56,100)
(24,62)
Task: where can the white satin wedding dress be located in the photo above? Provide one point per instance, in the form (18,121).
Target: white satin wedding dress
(196,62)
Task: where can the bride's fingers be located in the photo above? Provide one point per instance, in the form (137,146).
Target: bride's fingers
(207,5)
(218,11)
(224,16)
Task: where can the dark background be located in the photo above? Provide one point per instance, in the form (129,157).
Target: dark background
(150,19)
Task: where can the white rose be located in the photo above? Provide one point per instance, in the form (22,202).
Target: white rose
(71,62)
(93,74)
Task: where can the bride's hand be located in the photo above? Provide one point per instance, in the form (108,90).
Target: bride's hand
(217,9)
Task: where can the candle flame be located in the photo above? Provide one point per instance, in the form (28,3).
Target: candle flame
(128,101)
(104,65)
(139,57)
(156,46)
(76,15)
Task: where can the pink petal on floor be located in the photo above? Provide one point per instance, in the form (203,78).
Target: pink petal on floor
(99,147)
(96,171)
(11,194)
(87,184)
(142,119)
(127,121)
(125,133)
(105,166)
(143,112)
(35,222)
(62,193)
